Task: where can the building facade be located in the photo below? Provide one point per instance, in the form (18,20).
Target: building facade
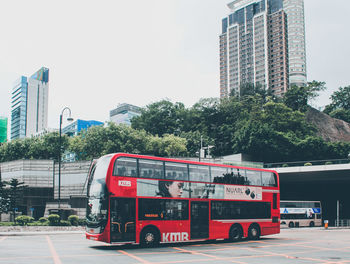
(3,129)
(29,104)
(41,178)
(73,129)
(78,125)
(294,10)
(254,45)
(19,108)
(124,113)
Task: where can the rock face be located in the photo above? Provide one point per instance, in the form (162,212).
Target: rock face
(330,129)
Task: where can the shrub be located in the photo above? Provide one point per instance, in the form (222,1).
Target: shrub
(54,219)
(308,164)
(73,220)
(24,219)
(7,223)
(82,221)
(65,223)
(285,165)
(43,219)
(328,163)
(37,223)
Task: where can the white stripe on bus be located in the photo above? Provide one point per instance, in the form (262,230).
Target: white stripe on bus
(244,220)
(272,191)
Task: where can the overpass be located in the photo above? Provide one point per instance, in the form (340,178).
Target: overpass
(326,183)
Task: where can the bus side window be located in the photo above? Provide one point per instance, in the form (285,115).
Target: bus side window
(151,169)
(199,173)
(218,174)
(254,177)
(176,171)
(268,179)
(125,166)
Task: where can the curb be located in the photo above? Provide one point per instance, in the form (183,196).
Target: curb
(39,233)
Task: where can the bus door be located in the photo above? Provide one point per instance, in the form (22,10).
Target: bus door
(199,220)
(123,219)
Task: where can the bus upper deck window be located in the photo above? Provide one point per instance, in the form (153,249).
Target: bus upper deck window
(125,167)
(268,179)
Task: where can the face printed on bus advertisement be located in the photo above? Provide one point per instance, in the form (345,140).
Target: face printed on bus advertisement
(170,188)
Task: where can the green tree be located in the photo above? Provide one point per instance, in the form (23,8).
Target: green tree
(161,117)
(341,114)
(340,99)
(98,141)
(45,147)
(173,145)
(270,133)
(16,193)
(340,104)
(298,97)
(4,197)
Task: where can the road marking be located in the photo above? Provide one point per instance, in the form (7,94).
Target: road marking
(56,259)
(3,238)
(134,257)
(295,257)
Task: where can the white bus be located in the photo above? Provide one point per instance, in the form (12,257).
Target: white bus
(301,213)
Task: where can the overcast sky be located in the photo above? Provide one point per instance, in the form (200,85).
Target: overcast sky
(102,53)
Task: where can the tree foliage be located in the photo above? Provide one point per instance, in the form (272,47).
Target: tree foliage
(45,147)
(11,196)
(298,97)
(98,141)
(340,104)
(4,197)
(252,122)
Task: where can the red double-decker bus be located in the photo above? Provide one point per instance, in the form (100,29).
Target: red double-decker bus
(151,200)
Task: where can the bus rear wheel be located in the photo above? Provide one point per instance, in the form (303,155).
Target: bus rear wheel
(312,224)
(291,224)
(236,233)
(254,232)
(149,237)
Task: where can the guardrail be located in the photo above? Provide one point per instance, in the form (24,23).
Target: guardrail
(342,223)
(306,163)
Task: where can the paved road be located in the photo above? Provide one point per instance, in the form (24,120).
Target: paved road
(304,245)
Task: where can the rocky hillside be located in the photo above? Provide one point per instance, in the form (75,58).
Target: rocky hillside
(330,129)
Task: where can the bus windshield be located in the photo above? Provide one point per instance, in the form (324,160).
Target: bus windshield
(96,217)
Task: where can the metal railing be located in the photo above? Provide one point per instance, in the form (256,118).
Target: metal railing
(306,163)
(342,223)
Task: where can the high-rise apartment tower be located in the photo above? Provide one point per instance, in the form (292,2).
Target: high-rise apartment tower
(29,104)
(256,48)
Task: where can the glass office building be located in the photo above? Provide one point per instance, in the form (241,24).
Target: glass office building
(29,105)
(78,125)
(124,113)
(19,108)
(3,129)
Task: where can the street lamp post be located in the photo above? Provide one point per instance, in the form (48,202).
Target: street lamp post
(69,118)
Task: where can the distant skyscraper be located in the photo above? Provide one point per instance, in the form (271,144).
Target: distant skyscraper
(124,113)
(294,10)
(19,108)
(254,45)
(29,105)
(3,129)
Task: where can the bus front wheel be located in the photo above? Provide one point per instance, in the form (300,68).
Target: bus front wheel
(312,224)
(254,232)
(236,233)
(291,224)
(149,237)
